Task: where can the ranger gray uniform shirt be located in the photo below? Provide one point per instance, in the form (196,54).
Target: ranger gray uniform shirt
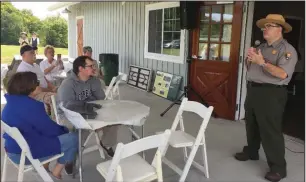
(281,54)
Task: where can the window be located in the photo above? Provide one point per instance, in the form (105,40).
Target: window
(164,40)
(215,32)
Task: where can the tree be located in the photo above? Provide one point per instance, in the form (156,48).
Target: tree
(52,30)
(11,24)
(56,31)
(31,22)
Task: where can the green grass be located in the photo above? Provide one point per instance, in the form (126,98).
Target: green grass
(9,51)
(174,52)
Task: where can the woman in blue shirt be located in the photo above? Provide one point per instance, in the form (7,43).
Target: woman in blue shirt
(44,136)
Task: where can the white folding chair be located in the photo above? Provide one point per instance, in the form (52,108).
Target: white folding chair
(127,165)
(55,109)
(112,90)
(181,139)
(81,124)
(116,91)
(25,152)
(109,89)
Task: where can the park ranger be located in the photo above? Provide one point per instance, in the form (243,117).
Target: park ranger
(269,69)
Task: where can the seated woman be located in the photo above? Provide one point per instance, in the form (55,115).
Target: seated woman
(49,66)
(45,137)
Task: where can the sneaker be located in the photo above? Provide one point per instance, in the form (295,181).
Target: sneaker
(69,168)
(109,150)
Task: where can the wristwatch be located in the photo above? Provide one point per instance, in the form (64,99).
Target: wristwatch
(264,64)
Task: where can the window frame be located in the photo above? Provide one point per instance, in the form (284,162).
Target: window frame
(159,56)
(209,42)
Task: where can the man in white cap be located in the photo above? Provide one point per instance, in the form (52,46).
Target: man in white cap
(269,70)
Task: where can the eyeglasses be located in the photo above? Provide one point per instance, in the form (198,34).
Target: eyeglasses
(91,66)
(269,26)
(37,82)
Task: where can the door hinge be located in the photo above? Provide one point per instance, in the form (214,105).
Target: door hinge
(237,107)
(240,59)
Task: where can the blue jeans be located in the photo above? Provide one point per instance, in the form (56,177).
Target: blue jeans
(69,146)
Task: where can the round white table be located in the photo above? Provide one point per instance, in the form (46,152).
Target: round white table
(115,112)
(119,112)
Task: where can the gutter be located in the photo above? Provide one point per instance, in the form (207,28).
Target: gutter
(60,5)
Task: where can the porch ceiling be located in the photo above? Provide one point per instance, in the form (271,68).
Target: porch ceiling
(59,5)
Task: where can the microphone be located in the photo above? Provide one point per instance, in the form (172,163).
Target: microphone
(257,43)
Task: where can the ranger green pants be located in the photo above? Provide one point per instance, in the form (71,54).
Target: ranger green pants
(264,108)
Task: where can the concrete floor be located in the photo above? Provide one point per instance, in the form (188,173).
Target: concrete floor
(223,138)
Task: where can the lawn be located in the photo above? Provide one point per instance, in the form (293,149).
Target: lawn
(8,52)
(174,52)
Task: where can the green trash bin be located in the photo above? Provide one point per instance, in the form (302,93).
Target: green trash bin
(109,65)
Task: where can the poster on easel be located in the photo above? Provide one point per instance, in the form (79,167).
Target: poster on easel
(167,85)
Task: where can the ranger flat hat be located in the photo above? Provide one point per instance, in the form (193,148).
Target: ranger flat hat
(274,18)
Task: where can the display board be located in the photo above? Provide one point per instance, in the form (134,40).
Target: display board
(139,77)
(167,85)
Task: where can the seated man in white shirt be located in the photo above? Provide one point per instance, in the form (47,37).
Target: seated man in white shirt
(51,67)
(28,64)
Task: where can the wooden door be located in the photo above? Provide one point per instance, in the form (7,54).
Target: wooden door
(80,36)
(215,45)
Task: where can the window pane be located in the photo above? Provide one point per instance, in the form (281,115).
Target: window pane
(204,28)
(215,32)
(167,25)
(172,32)
(204,14)
(155,31)
(227,33)
(214,51)
(216,14)
(168,37)
(177,12)
(228,13)
(202,53)
(204,23)
(178,25)
(225,52)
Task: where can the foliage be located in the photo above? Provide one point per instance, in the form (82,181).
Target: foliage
(11,23)
(56,31)
(52,30)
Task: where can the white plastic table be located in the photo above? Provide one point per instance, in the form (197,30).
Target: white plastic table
(115,112)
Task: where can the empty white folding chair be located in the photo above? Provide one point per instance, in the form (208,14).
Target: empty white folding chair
(116,91)
(55,109)
(81,124)
(25,153)
(127,165)
(109,90)
(181,139)
(112,90)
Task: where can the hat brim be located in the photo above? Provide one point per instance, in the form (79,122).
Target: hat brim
(261,24)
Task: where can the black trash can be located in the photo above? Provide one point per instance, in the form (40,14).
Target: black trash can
(109,65)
